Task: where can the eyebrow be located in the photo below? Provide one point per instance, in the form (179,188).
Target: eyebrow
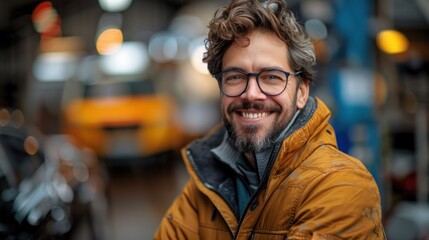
(234,69)
(260,70)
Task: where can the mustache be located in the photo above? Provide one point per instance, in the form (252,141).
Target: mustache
(253,105)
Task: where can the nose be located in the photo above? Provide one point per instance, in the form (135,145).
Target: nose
(253,92)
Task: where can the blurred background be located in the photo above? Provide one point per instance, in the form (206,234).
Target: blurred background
(97,98)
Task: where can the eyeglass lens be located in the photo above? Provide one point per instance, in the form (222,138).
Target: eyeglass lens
(270,82)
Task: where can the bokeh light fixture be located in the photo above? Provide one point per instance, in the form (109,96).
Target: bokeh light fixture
(166,46)
(392,42)
(109,41)
(4,117)
(316,29)
(46,20)
(55,66)
(131,59)
(196,52)
(114,5)
(31,145)
(109,20)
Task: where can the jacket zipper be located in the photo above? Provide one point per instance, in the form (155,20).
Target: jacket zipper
(262,184)
(188,153)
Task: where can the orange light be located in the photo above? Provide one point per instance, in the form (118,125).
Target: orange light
(31,145)
(4,117)
(109,41)
(392,42)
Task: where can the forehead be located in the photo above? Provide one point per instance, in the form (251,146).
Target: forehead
(258,49)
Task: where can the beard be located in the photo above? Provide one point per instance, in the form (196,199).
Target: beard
(247,140)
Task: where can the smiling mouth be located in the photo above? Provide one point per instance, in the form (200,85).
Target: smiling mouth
(254,115)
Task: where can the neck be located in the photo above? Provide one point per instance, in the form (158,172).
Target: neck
(250,157)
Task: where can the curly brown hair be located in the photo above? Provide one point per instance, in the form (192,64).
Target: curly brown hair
(241,17)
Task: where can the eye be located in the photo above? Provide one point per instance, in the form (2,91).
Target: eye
(272,77)
(233,76)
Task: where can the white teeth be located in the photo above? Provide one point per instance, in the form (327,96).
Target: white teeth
(254,115)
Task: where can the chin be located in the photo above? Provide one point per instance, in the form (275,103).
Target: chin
(252,142)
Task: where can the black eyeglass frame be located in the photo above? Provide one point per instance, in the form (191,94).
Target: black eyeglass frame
(218,75)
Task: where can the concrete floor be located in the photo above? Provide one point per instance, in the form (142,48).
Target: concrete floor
(137,200)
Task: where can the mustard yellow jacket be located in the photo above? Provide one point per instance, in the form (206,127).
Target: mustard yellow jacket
(311,191)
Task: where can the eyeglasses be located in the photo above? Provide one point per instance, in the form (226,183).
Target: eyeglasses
(271,82)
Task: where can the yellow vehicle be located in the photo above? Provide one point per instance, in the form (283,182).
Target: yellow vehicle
(123,120)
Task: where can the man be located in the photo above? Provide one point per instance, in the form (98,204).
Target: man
(274,170)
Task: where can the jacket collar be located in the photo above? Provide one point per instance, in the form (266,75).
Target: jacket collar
(309,132)
(311,123)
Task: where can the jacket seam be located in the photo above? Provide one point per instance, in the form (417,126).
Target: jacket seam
(271,232)
(181,225)
(298,199)
(214,228)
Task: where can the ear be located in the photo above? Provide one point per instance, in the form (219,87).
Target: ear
(302,93)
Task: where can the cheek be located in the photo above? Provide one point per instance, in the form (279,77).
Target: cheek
(224,103)
(288,100)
